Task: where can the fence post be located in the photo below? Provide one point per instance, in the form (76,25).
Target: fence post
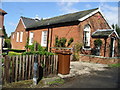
(35,70)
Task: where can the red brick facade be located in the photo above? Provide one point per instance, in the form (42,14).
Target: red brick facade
(72,30)
(99,59)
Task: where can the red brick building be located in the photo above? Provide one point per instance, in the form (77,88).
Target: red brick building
(82,26)
(2,13)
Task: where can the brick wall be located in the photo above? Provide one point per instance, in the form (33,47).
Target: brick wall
(74,30)
(99,59)
(19,45)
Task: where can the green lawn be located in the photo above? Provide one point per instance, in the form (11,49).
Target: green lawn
(115,65)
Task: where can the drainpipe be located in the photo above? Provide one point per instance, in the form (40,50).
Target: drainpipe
(48,37)
(51,38)
(105,39)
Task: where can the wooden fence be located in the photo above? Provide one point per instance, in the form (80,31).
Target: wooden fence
(18,68)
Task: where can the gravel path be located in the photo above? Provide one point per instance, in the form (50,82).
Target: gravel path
(79,68)
(109,78)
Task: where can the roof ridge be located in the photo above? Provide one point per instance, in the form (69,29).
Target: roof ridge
(71,13)
(27,18)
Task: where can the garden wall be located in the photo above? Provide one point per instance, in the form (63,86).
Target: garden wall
(99,59)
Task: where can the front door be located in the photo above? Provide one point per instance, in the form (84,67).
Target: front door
(112,48)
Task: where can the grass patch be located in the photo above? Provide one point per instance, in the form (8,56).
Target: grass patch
(58,81)
(115,65)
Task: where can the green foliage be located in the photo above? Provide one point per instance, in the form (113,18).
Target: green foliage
(117,28)
(115,65)
(97,42)
(70,41)
(62,42)
(7,43)
(76,51)
(13,53)
(4,32)
(77,47)
(37,52)
(27,44)
(56,41)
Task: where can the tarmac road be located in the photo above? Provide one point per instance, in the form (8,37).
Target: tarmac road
(109,78)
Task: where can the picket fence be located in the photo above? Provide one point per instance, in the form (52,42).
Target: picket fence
(17,68)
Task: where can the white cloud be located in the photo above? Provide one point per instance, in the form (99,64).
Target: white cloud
(110,12)
(67,7)
(88,6)
(12,24)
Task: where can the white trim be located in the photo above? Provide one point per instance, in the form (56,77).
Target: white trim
(30,38)
(88,15)
(94,12)
(115,33)
(86,48)
(42,39)
(21,36)
(113,48)
(105,18)
(23,23)
(17,37)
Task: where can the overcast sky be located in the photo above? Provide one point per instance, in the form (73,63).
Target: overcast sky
(51,9)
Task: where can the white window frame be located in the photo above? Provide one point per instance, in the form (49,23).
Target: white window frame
(31,36)
(13,36)
(17,39)
(87,31)
(44,38)
(21,36)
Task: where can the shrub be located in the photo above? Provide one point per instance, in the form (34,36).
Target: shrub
(7,43)
(76,51)
(70,41)
(38,52)
(62,42)
(97,42)
(13,53)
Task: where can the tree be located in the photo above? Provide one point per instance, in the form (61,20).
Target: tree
(4,32)
(117,28)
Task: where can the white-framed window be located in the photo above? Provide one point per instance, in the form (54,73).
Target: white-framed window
(87,36)
(31,38)
(44,38)
(13,36)
(21,36)
(17,39)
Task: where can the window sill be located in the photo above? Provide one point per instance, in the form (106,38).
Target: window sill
(86,48)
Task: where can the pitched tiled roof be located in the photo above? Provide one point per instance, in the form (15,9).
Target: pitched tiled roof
(2,11)
(102,33)
(32,23)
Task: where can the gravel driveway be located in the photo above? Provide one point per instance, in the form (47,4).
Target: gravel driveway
(90,75)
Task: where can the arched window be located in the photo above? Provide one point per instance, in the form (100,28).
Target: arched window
(87,36)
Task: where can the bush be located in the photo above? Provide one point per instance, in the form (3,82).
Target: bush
(7,43)
(98,42)
(38,52)
(70,41)
(76,51)
(13,53)
(62,42)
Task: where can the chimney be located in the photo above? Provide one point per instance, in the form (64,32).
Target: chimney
(37,18)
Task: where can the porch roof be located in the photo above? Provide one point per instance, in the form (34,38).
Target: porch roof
(102,33)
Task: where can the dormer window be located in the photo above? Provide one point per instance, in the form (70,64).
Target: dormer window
(87,36)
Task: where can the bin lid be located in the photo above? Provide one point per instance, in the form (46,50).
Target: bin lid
(63,52)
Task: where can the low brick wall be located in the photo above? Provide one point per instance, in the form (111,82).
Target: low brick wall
(99,59)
